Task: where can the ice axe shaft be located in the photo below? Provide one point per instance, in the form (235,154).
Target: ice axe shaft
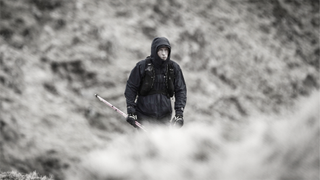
(119,111)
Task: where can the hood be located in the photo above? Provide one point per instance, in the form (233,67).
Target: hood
(156,44)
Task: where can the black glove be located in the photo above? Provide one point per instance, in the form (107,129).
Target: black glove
(177,121)
(132,117)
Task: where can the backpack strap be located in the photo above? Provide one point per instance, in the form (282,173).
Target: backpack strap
(147,78)
(170,79)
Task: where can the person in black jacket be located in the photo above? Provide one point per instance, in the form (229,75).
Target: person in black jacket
(151,84)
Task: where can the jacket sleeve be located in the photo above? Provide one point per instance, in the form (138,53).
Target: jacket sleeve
(180,91)
(133,85)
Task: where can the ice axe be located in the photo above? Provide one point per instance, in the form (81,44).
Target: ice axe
(140,126)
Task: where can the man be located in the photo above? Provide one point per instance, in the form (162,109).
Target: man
(151,84)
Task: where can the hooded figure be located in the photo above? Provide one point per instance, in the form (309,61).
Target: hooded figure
(154,104)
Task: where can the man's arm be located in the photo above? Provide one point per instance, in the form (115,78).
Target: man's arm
(180,92)
(132,87)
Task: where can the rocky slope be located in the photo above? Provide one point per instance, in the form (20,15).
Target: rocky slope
(240,59)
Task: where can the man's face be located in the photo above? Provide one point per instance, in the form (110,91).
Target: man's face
(163,53)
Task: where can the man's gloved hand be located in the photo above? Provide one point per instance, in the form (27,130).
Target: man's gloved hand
(132,117)
(177,121)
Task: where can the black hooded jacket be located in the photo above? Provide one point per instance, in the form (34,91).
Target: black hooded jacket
(156,106)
